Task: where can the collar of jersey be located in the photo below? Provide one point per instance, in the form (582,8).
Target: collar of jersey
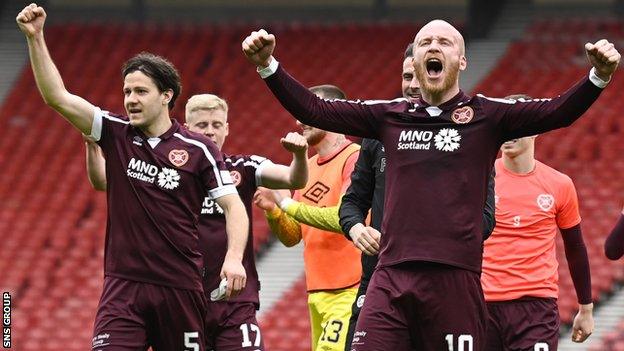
(459,99)
(175,126)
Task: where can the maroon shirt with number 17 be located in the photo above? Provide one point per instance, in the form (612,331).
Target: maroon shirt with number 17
(155,190)
(439,158)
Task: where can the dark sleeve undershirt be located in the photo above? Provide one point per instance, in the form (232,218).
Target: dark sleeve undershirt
(578,263)
(614,246)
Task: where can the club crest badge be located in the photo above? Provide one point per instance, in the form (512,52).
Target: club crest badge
(462,115)
(236,177)
(545,201)
(178,157)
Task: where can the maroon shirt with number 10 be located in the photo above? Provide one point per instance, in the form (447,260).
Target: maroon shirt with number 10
(439,158)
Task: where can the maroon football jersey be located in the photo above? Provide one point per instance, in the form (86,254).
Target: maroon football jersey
(155,189)
(439,158)
(245,172)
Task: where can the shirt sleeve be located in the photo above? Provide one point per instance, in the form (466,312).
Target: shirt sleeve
(257,163)
(568,210)
(324,218)
(519,118)
(614,246)
(104,128)
(489,211)
(578,263)
(284,227)
(358,197)
(214,174)
(357,118)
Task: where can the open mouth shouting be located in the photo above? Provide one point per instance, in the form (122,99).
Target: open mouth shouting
(434,68)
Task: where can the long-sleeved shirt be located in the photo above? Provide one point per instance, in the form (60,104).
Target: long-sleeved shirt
(366,191)
(439,158)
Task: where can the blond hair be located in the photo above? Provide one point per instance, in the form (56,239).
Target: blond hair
(205,102)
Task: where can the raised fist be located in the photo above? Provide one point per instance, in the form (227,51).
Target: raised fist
(258,47)
(31,19)
(603,57)
(295,143)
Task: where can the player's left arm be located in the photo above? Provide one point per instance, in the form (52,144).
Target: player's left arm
(237,229)
(524,118)
(489,211)
(614,245)
(568,219)
(274,176)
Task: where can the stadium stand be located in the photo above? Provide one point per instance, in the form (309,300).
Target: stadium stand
(52,259)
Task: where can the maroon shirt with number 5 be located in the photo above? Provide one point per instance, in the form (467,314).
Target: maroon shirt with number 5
(155,190)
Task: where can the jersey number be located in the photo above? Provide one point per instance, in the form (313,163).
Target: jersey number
(540,346)
(246,340)
(464,342)
(516,221)
(190,344)
(337,328)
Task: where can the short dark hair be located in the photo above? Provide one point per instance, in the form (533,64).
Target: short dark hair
(518,96)
(329,91)
(409,51)
(161,71)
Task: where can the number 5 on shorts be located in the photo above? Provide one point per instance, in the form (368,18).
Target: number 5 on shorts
(464,342)
(189,344)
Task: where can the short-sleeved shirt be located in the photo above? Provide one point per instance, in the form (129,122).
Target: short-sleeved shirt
(519,259)
(246,173)
(155,189)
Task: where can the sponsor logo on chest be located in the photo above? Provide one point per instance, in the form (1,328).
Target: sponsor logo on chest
(446,139)
(166,178)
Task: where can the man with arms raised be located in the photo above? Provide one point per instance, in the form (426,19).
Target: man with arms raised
(231,323)
(158,174)
(426,292)
(519,277)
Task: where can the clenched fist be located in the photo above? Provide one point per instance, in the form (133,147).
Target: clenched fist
(603,57)
(295,143)
(258,47)
(31,19)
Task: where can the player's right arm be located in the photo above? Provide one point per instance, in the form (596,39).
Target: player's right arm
(285,228)
(96,164)
(614,246)
(348,117)
(78,111)
(237,229)
(295,176)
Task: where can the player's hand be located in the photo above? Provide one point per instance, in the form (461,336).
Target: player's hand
(295,143)
(264,199)
(583,325)
(258,47)
(234,272)
(366,239)
(603,57)
(31,19)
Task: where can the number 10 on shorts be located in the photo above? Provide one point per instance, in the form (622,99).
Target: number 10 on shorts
(464,342)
